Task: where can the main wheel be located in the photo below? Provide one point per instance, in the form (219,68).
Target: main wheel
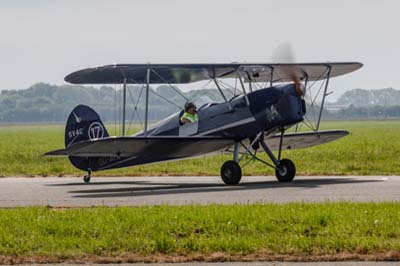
(286,171)
(231,173)
(86,178)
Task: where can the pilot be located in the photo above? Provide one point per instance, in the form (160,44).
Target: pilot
(190,114)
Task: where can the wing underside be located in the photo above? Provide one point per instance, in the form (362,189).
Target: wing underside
(118,152)
(179,147)
(187,73)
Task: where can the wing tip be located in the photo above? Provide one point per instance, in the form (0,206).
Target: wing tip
(61,152)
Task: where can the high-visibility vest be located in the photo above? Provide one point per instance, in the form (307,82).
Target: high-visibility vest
(190,117)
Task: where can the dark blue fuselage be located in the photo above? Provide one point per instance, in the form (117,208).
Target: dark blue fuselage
(267,110)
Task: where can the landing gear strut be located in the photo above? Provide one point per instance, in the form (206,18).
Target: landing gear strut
(87,177)
(285,170)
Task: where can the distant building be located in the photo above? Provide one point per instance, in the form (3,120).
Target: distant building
(335,107)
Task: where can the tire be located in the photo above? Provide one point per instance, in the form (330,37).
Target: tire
(286,171)
(231,173)
(86,178)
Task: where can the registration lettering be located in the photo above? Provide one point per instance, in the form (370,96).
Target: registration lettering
(75,132)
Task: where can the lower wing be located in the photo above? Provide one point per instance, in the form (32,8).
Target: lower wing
(171,147)
(301,140)
(298,140)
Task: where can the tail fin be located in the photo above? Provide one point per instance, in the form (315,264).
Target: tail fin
(83,124)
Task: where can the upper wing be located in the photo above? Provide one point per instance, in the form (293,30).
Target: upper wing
(157,147)
(187,73)
(305,139)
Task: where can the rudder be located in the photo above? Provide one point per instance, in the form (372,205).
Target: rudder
(83,123)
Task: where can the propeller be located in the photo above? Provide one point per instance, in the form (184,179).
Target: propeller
(299,87)
(284,54)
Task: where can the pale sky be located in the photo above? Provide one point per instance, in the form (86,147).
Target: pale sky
(46,40)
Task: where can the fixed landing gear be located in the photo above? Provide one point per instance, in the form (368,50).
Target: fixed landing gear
(87,177)
(286,171)
(231,171)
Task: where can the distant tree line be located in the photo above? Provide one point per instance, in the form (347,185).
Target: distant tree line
(50,103)
(368,98)
(367,104)
(371,112)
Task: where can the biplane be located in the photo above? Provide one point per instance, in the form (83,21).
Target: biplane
(267,114)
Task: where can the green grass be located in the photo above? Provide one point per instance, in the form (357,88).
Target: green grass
(297,229)
(373,147)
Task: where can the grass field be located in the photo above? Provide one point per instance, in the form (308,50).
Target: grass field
(373,147)
(269,231)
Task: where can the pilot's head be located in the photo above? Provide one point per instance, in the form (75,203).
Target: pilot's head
(190,108)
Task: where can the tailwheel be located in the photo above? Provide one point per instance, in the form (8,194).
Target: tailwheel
(286,171)
(87,177)
(231,173)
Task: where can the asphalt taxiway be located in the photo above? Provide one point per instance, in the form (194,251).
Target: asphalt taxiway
(118,191)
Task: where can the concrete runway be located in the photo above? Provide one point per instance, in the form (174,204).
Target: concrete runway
(69,191)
